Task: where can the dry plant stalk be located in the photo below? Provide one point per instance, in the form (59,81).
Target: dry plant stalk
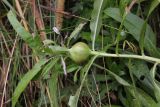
(19,9)
(130,6)
(65,14)
(6,70)
(38,19)
(59,17)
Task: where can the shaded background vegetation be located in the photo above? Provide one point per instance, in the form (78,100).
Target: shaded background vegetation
(98,82)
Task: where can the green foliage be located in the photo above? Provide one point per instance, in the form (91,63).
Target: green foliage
(52,83)
(74,99)
(134,24)
(34,43)
(25,80)
(96,19)
(121,69)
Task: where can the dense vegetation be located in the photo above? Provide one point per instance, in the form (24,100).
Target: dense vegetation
(79,53)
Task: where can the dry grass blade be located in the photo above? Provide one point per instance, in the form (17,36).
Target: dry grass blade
(7,72)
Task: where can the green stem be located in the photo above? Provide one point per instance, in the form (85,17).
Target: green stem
(142,57)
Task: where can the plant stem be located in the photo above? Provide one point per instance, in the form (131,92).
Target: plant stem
(142,57)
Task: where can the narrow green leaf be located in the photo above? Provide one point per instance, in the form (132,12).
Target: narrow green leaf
(153,5)
(46,68)
(55,50)
(53,82)
(34,43)
(142,36)
(74,99)
(146,77)
(147,100)
(122,98)
(141,71)
(58,49)
(96,19)
(134,25)
(25,80)
(119,32)
(48,42)
(118,78)
(49,66)
(75,32)
(156,86)
(9,5)
(131,98)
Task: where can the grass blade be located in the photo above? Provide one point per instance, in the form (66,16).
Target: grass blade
(134,25)
(74,99)
(96,19)
(53,88)
(34,43)
(118,78)
(153,5)
(26,79)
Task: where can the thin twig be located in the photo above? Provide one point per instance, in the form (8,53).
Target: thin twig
(130,6)
(63,12)
(21,14)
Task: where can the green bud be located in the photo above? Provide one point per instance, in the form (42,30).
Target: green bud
(79,52)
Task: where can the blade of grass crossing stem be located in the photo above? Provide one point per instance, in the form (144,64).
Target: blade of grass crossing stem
(49,66)
(73,100)
(34,43)
(135,93)
(119,31)
(118,78)
(153,5)
(26,79)
(53,89)
(96,19)
(45,70)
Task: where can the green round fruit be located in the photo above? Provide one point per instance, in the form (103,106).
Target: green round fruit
(79,52)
